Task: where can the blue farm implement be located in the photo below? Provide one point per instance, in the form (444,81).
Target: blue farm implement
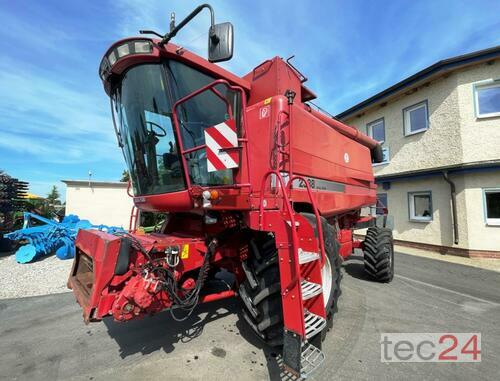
(44,237)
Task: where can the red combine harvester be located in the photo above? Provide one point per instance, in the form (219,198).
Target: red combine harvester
(255,182)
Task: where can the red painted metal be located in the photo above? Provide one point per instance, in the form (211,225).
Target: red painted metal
(218,296)
(344,129)
(179,136)
(280,137)
(170,51)
(319,225)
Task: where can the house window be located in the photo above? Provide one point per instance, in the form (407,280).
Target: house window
(487,98)
(385,157)
(416,118)
(376,130)
(492,206)
(381,203)
(420,206)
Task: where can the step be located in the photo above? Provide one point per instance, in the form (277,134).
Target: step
(314,324)
(310,359)
(310,289)
(307,256)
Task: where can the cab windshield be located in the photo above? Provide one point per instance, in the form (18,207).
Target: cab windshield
(143,103)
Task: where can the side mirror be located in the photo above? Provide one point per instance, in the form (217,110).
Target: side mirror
(220,42)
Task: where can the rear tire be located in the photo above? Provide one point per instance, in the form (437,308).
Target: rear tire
(379,254)
(260,292)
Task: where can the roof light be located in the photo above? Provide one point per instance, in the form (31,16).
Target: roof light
(144,47)
(112,58)
(123,50)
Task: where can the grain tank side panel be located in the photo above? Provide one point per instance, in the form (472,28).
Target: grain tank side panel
(340,166)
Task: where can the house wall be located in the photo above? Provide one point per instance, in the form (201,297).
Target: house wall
(109,205)
(481,235)
(439,231)
(480,136)
(455,136)
(425,149)
(474,233)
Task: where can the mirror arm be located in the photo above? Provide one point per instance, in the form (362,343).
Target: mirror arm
(150,32)
(175,29)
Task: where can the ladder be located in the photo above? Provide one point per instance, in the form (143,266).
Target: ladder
(300,265)
(134,218)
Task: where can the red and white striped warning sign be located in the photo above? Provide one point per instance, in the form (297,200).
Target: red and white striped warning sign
(219,138)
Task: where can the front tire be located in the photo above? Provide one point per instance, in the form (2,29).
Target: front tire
(260,292)
(378,254)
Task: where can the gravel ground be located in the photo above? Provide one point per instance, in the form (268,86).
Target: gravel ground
(46,276)
(49,275)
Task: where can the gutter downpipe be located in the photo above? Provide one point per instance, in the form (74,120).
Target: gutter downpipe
(453,194)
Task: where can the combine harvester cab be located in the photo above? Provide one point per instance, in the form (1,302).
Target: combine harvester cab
(255,182)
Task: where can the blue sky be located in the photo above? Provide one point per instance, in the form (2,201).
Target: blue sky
(54,116)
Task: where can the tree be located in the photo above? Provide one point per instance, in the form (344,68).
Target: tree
(125,176)
(46,207)
(41,207)
(53,196)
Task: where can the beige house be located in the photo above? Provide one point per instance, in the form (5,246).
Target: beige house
(440,131)
(100,202)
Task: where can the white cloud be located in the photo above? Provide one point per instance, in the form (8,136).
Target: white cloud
(250,47)
(52,120)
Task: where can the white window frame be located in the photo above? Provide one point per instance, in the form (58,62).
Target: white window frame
(406,118)
(388,157)
(487,84)
(411,207)
(369,128)
(489,221)
(386,204)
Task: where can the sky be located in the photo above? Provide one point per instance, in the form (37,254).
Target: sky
(55,121)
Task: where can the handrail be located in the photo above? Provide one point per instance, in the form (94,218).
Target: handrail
(259,66)
(244,127)
(290,124)
(316,213)
(128,189)
(132,226)
(281,127)
(295,239)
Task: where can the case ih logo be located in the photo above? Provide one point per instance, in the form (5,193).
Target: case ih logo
(222,141)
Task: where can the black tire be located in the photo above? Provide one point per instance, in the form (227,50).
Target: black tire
(379,254)
(260,292)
